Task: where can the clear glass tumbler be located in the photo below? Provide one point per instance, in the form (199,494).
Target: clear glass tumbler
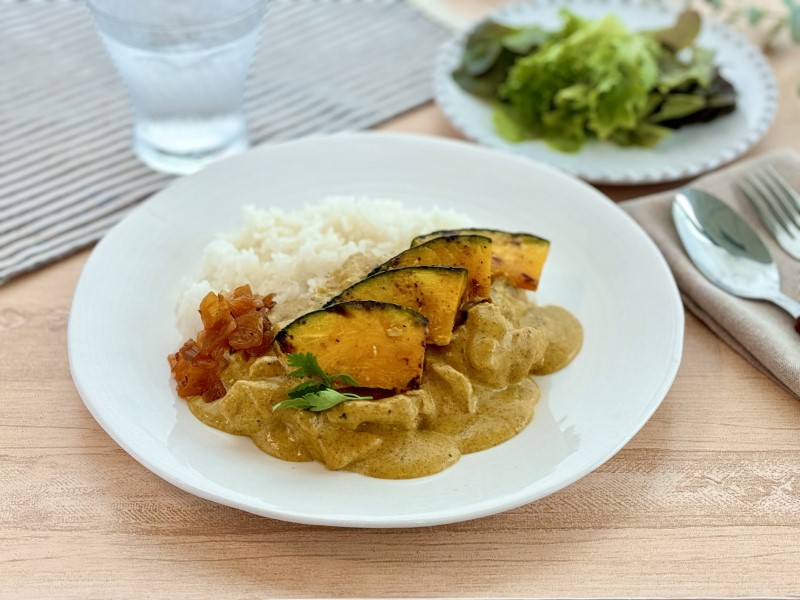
(184,63)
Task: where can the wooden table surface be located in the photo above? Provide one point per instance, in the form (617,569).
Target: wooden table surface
(704,501)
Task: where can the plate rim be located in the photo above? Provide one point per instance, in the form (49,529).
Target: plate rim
(451,49)
(519,498)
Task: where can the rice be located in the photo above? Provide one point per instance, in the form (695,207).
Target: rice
(294,253)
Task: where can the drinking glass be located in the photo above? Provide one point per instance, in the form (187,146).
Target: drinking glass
(184,63)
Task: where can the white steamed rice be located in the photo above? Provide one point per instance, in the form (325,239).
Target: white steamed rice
(291,253)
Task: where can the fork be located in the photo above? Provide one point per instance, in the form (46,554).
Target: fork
(777,204)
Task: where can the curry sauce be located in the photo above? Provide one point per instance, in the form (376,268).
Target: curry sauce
(475,393)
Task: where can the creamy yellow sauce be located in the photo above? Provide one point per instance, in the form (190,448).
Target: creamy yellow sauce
(476,392)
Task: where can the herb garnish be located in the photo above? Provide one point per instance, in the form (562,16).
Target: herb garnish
(318,395)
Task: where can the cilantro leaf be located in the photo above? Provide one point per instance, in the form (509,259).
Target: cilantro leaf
(313,395)
(306,365)
(319,401)
(307,387)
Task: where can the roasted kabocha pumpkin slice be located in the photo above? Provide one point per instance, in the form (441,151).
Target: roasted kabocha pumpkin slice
(434,292)
(381,345)
(518,256)
(470,252)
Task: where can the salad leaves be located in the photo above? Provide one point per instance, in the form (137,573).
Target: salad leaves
(594,79)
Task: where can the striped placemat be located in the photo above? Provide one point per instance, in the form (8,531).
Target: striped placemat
(67,173)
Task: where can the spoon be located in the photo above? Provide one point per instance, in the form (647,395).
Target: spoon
(727,251)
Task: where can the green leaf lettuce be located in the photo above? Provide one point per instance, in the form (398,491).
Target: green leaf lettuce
(594,80)
(591,80)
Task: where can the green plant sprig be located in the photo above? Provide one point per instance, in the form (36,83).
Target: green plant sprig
(733,11)
(318,395)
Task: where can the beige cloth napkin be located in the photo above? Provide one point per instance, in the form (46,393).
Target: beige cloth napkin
(762,333)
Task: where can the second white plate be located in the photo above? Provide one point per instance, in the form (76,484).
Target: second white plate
(687,153)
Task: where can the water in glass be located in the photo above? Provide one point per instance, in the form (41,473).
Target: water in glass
(184,64)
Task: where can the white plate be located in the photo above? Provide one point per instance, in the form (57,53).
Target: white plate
(686,153)
(602,267)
